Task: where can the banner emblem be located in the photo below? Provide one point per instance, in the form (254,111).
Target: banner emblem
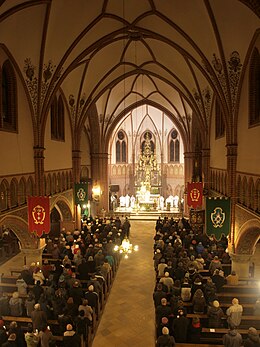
(218,217)
(38,214)
(81,194)
(194,194)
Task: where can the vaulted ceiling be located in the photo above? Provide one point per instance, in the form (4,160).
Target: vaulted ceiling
(111,55)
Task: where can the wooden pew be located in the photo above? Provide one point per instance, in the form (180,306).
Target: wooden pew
(246,322)
(243,297)
(9,278)
(215,336)
(241,288)
(248,307)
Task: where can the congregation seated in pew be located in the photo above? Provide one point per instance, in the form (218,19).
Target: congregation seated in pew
(58,289)
(201,287)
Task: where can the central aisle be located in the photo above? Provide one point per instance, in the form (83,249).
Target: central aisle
(128,318)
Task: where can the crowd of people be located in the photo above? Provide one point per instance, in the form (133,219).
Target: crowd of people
(56,291)
(180,255)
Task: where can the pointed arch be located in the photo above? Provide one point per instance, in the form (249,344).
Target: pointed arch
(4,189)
(14,193)
(121,147)
(22,191)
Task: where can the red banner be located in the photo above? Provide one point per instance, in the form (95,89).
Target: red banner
(194,194)
(39,214)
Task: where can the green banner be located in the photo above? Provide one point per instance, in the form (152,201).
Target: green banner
(218,216)
(81,193)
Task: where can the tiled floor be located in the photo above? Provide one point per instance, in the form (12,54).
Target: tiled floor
(128,318)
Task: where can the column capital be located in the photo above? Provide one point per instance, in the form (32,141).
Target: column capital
(240,258)
(231,149)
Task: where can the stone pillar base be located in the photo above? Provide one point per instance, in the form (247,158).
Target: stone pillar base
(240,264)
(33,254)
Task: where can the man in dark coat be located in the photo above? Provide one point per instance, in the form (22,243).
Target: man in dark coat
(232,338)
(39,318)
(215,314)
(180,327)
(218,280)
(70,337)
(162,310)
(165,339)
(158,295)
(252,338)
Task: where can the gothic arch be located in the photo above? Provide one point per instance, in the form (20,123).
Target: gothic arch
(249,234)
(20,228)
(64,207)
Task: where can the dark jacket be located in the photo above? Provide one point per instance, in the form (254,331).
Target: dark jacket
(232,339)
(71,338)
(180,328)
(215,315)
(252,340)
(165,341)
(39,319)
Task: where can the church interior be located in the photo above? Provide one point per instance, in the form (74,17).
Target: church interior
(135,100)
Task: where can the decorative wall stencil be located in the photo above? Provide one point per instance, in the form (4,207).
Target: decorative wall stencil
(207,99)
(72,108)
(234,71)
(235,66)
(31,82)
(48,70)
(47,74)
(204,104)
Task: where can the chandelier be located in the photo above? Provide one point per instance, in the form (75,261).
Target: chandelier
(125,248)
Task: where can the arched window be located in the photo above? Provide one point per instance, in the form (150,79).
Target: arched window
(148,135)
(174,146)
(30,185)
(13,193)
(254,89)
(22,191)
(219,121)
(8,87)
(121,147)
(57,119)
(3,196)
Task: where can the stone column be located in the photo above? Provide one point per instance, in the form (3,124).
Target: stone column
(231,185)
(76,162)
(188,172)
(39,170)
(240,264)
(205,167)
(99,166)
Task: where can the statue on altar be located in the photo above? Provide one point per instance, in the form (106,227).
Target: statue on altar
(122,201)
(132,201)
(127,201)
(161,202)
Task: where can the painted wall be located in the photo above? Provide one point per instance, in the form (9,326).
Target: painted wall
(58,155)
(247,160)
(217,148)
(17,148)
(85,151)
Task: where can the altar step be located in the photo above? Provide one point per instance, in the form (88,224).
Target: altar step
(148,215)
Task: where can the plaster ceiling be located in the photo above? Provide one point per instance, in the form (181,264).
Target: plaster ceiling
(114,54)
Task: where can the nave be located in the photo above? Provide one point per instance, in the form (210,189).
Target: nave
(128,318)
